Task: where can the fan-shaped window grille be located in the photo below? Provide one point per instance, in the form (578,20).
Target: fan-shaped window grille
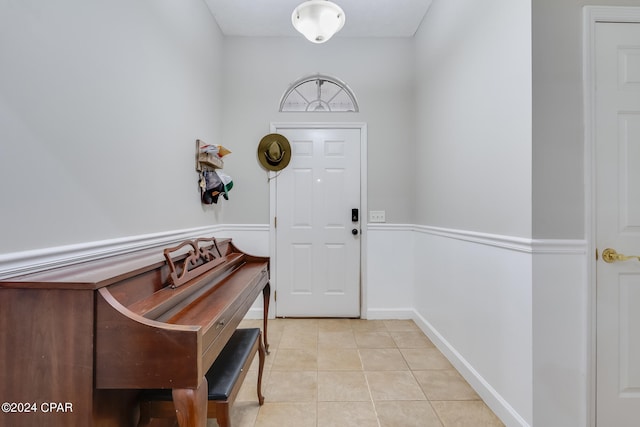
(318,93)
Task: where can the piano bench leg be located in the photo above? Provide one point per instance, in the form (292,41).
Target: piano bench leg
(221,411)
(261,357)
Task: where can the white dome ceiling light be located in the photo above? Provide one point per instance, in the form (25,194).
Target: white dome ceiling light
(318,20)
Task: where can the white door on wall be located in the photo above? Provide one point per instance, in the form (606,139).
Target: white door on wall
(617,145)
(317,258)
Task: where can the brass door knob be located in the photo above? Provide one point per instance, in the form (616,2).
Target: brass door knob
(610,255)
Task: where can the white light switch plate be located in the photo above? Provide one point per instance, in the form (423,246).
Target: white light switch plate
(377,216)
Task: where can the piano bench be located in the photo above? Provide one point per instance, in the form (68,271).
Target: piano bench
(224,379)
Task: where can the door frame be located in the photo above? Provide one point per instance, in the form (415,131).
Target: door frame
(593,15)
(363,202)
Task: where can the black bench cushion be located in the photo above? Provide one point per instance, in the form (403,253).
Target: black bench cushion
(225,371)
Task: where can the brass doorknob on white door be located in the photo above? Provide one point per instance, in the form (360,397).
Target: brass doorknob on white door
(610,255)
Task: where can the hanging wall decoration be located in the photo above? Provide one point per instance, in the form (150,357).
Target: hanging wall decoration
(274,152)
(209,163)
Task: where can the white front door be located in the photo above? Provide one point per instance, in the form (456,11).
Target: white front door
(317,256)
(617,145)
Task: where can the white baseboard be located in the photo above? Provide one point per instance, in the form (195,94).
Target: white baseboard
(488,394)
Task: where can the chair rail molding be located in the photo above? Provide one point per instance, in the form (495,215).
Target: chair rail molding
(32,261)
(515,243)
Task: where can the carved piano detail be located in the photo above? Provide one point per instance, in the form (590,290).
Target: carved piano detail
(94,334)
(202,257)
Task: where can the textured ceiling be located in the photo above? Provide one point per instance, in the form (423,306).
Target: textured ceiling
(364,18)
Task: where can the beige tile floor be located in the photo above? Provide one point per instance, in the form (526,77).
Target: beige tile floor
(360,373)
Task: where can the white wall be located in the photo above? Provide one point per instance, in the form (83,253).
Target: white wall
(473,285)
(555,291)
(100,107)
(473,298)
(558,122)
(257,71)
(563,316)
(381,73)
(561,335)
(558,190)
(473,81)
(389,271)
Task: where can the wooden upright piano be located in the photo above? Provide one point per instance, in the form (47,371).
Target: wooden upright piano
(78,343)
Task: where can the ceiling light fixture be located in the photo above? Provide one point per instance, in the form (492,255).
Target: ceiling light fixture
(318,20)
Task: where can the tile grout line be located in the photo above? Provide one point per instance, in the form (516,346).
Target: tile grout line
(328,339)
(366,379)
(440,420)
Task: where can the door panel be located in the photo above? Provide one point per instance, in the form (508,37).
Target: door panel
(317,256)
(629,141)
(617,145)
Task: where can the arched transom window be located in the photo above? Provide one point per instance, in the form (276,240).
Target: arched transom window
(318,93)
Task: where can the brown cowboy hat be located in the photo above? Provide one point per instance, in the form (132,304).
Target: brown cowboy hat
(274,152)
